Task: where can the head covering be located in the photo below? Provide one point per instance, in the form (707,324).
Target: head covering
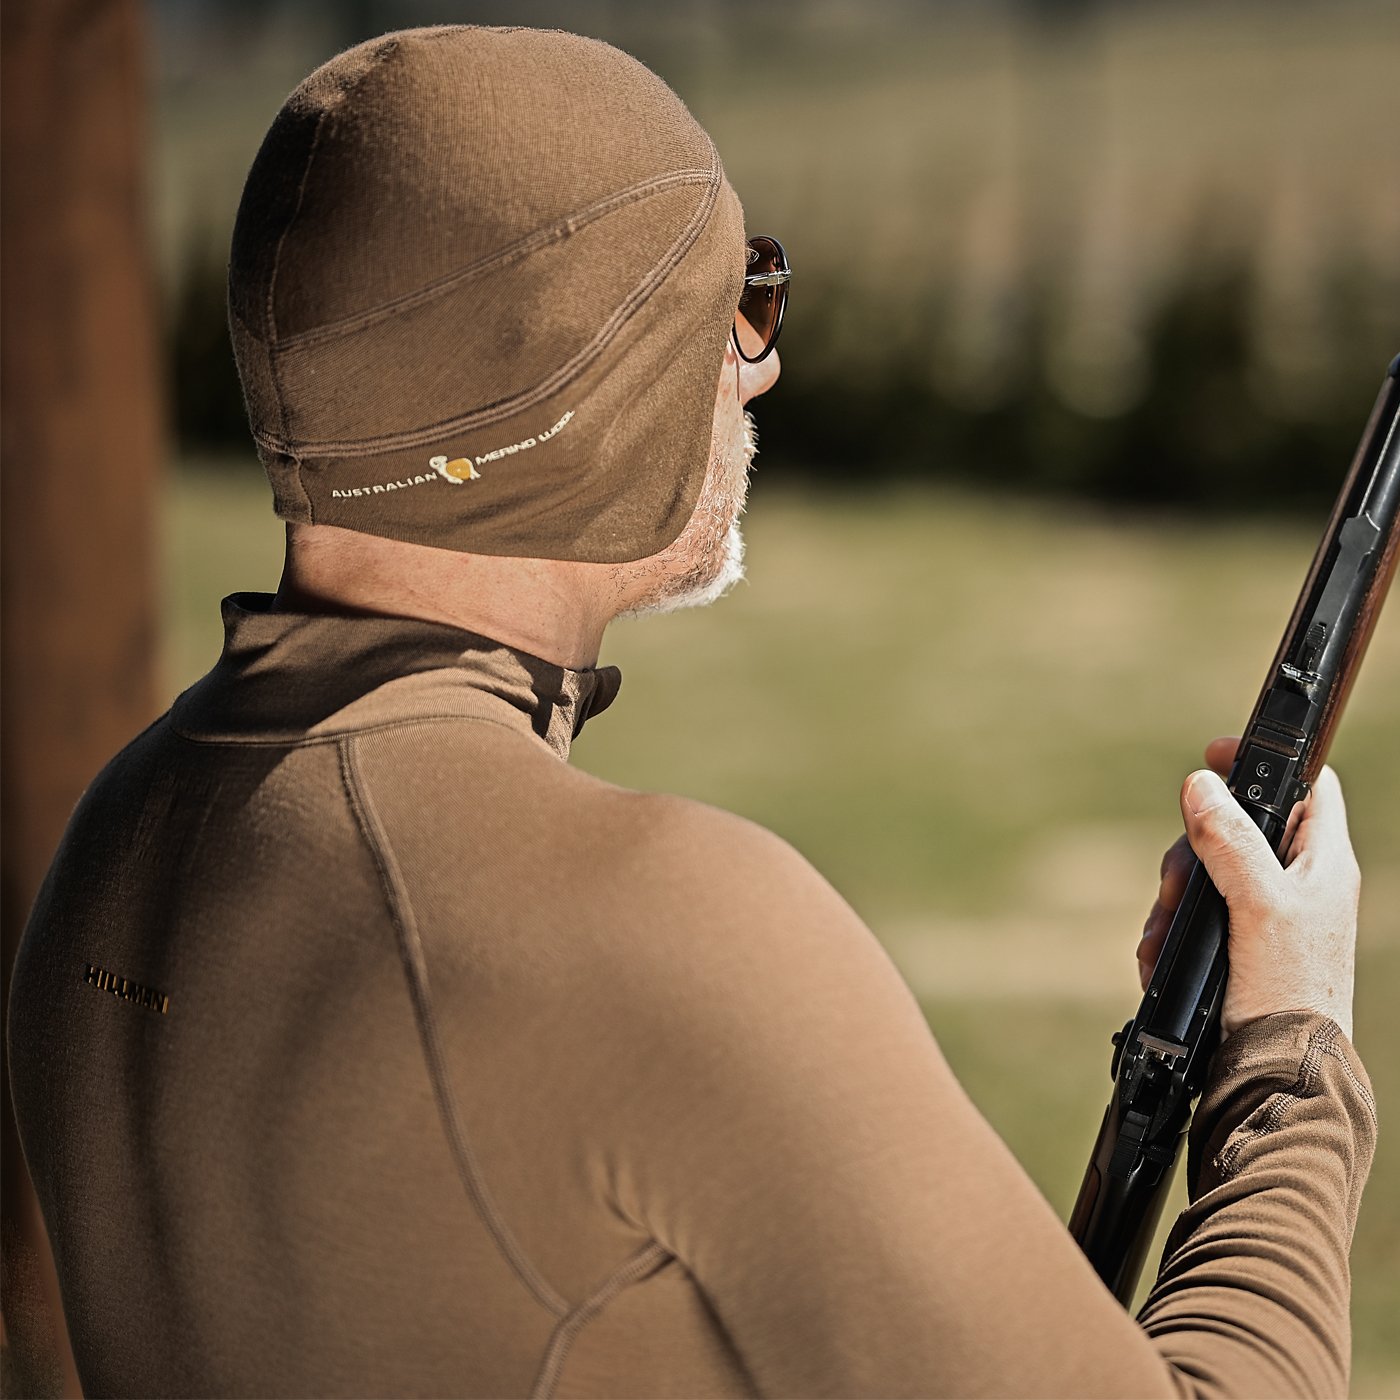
(479,290)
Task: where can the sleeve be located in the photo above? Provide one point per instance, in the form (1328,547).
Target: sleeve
(787,1127)
(1280,1147)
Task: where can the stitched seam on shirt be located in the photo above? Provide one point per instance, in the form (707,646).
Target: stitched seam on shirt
(1321,1042)
(416,971)
(1362,1091)
(308,742)
(568,1328)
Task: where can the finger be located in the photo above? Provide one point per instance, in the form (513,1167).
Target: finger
(1145,968)
(1157,923)
(1232,849)
(1149,949)
(1322,832)
(1176,870)
(1220,755)
(1172,855)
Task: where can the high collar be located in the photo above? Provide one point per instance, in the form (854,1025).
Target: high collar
(285,677)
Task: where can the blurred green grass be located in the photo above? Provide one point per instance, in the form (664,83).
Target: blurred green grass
(973,715)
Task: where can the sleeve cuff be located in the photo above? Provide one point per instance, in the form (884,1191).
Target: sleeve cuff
(1265,1070)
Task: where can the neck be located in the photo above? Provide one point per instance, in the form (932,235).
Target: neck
(549,608)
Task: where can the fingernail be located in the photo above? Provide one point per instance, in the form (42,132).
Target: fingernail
(1204,792)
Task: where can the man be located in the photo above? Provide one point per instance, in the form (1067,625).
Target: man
(362,1046)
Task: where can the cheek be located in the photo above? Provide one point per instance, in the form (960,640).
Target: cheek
(757,379)
(729,409)
(729,376)
(727,439)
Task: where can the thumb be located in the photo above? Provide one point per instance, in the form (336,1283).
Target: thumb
(1232,849)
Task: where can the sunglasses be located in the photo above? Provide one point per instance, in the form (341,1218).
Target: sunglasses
(766,279)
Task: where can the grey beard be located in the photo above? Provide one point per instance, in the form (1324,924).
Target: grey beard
(711,541)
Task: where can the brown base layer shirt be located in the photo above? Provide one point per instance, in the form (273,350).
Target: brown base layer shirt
(361,1046)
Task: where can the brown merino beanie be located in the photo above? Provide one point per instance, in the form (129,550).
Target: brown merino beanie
(479,290)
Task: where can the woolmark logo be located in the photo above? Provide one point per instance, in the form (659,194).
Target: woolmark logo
(458,470)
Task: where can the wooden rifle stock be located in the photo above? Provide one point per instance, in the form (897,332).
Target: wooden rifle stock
(1161,1056)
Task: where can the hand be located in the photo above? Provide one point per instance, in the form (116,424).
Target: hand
(1293,928)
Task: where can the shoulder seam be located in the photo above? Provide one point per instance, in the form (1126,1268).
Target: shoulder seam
(556,1353)
(312,741)
(415,968)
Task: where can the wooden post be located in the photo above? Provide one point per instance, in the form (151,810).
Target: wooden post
(81,451)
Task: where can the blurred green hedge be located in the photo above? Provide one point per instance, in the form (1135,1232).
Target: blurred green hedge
(867,393)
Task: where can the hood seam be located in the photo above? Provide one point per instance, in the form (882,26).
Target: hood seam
(522,248)
(546,388)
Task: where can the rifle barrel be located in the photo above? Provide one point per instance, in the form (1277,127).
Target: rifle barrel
(1161,1056)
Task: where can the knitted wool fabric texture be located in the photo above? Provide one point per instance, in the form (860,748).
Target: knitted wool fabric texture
(479,290)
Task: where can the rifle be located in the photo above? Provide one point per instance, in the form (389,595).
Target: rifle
(1161,1056)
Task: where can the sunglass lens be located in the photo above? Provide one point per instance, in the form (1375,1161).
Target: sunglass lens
(759,305)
